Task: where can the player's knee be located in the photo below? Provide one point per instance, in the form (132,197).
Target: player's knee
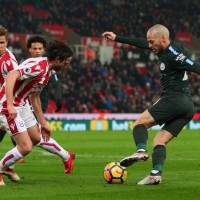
(35,137)
(160,141)
(36,141)
(140,122)
(156,143)
(146,120)
(26,148)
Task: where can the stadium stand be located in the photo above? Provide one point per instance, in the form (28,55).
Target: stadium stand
(119,86)
(91,18)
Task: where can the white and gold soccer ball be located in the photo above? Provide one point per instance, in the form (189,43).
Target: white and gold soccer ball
(115,173)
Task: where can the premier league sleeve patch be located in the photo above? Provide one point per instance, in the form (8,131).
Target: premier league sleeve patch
(27,70)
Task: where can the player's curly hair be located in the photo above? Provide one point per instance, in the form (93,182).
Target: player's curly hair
(34,39)
(57,49)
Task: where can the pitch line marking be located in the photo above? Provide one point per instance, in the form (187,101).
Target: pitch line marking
(45,153)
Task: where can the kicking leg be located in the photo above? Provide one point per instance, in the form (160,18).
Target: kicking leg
(140,136)
(53,147)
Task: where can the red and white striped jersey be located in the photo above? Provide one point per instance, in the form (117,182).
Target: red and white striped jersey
(34,76)
(8,63)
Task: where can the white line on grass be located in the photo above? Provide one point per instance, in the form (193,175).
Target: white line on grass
(45,153)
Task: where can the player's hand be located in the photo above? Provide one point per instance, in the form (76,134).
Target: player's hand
(12,113)
(109,35)
(46,132)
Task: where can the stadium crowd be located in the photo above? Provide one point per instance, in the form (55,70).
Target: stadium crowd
(122,85)
(91,18)
(116,87)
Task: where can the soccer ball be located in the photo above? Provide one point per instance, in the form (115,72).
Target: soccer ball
(115,173)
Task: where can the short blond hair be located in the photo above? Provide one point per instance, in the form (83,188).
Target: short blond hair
(159,30)
(3,32)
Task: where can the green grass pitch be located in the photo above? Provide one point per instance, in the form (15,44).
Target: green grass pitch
(43,178)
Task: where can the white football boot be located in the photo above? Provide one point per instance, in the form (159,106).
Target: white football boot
(138,156)
(152,179)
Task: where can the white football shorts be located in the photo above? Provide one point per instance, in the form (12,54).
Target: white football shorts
(25,119)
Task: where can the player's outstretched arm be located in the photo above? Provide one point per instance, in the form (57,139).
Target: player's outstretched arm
(137,42)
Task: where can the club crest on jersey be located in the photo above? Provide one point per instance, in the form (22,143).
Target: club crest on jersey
(12,126)
(162,66)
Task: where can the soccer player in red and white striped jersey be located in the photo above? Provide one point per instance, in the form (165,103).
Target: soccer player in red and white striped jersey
(32,75)
(7,63)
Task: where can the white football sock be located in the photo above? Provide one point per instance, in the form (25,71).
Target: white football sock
(53,147)
(10,158)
